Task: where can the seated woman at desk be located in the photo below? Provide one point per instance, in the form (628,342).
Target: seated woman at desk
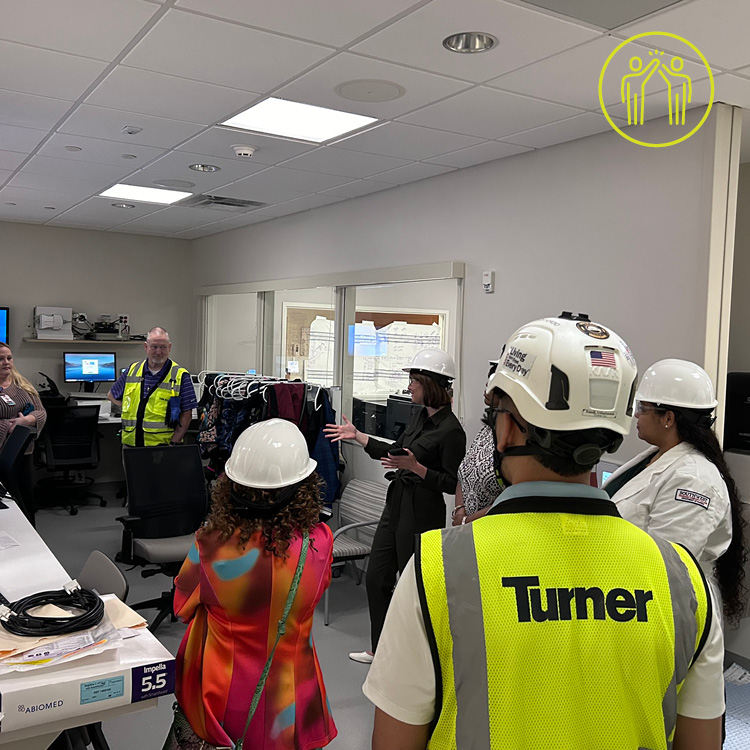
(260,556)
(19,405)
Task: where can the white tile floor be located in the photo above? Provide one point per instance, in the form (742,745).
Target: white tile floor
(71,538)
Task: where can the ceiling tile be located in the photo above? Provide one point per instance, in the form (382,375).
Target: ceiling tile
(167,96)
(98,150)
(345,163)
(174,219)
(571,77)
(226,225)
(412,173)
(733,89)
(306,203)
(319,86)
(102,210)
(204,49)
(603,14)
(488,151)
(100,122)
(718,29)
(406,141)
(524,35)
(44,73)
(23,140)
(67,25)
(26,111)
(176,166)
(4,175)
(357,188)
(219,141)
(306,19)
(78,189)
(296,180)
(11,159)
(90,223)
(36,200)
(194,234)
(76,170)
(656,104)
(564,130)
(487,113)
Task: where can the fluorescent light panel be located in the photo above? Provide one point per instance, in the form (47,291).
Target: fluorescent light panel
(294,120)
(144,194)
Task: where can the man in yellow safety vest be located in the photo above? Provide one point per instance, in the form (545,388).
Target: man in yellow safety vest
(551,622)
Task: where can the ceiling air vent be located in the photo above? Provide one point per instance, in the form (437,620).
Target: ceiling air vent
(220,203)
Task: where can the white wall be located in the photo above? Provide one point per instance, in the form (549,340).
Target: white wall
(235,332)
(148,278)
(599,225)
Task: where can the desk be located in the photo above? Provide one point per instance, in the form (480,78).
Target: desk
(38,705)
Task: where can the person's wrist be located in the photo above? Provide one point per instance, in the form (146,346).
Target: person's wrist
(458,510)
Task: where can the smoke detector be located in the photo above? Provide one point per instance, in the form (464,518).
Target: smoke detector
(244,152)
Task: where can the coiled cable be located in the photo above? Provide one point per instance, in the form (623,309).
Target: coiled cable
(17,620)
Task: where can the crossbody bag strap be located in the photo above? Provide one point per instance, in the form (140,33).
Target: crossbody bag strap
(280,629)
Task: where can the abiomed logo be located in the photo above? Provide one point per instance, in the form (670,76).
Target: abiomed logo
(658,67)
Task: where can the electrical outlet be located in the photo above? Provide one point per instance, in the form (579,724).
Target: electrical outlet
(123,319)
(79,317)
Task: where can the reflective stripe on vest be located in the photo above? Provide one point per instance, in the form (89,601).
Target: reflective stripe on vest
(155,430)
(533,625)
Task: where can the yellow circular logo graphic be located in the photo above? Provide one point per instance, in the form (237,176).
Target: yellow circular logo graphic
(678,93)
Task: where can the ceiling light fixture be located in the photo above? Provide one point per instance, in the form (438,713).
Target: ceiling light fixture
(131,130)
(304,122)
(370,90)
(124,205)
(469,42)
(205,167)
(73,148)
(144,194)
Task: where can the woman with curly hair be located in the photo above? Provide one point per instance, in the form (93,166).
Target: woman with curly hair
(260,555)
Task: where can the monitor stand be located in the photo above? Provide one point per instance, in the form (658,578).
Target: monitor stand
(88,387)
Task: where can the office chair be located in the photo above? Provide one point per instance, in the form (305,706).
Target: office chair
(11,457)
(167,502)
(360,506)
(69,443)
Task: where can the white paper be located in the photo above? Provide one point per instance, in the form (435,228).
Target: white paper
(737,675)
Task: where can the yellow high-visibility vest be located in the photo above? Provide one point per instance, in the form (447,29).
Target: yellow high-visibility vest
(153,419)
(564,629)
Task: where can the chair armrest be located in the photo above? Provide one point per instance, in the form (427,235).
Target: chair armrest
(128,521)
(349,526)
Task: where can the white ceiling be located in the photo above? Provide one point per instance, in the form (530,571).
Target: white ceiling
(74,73)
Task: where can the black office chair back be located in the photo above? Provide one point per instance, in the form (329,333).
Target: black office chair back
(69,438)
(166,490)
(10,458)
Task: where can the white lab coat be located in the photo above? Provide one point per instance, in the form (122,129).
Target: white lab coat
(667,500)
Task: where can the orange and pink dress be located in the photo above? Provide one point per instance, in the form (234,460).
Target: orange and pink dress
(233,598)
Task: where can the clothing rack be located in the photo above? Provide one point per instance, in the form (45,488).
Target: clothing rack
(239,386)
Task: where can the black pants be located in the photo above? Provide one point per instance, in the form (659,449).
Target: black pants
(391,551)
(26,487)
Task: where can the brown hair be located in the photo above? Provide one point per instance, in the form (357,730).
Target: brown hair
(435,396)
(300,515)
(16,378)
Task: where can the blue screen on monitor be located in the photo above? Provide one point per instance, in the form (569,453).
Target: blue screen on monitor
(4,332)
(89,367)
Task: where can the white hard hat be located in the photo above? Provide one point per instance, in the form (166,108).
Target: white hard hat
(433,360)
(269,455)
(568,374)
(677,382)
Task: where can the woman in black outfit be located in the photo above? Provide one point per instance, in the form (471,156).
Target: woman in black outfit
(423,464)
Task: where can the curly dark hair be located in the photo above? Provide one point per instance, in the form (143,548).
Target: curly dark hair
(300,515)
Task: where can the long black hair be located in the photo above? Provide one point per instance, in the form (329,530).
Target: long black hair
(730,567)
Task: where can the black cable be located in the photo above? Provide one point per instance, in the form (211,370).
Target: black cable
(20,622)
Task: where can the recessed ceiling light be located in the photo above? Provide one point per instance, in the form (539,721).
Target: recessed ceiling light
(129,156)
(73,148)
(205,168)
(184,184)
(144,194)
(468,42)
(131,130)
(124,205)
(294,120)
(370,90)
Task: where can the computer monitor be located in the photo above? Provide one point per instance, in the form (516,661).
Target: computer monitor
(4,330)
(397,415)
(605,469)
(90,368)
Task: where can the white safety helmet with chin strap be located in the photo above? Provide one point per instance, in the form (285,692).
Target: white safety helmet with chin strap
(679,383)
(270,455)
(436,363)
(568,375)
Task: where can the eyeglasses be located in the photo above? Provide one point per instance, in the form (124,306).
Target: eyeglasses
(641,408)
(158,347)
(491,415)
